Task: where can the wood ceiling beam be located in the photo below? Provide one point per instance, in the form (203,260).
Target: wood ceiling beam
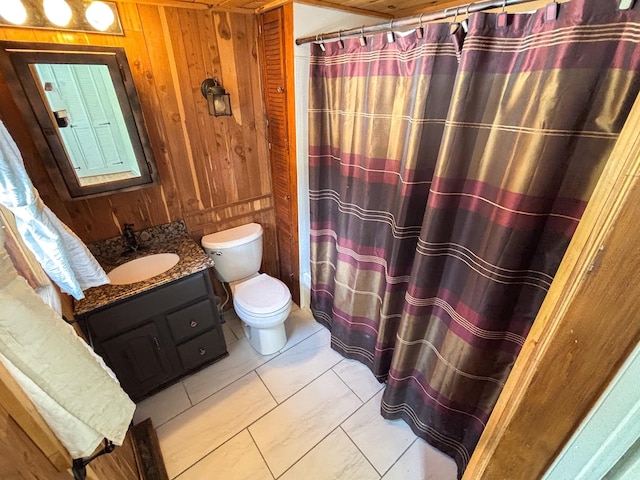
(192,4)
(323,3)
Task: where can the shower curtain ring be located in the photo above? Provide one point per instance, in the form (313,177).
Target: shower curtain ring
(391,38)
(420,29)
(501,18)
(454,26)
(363,39)
(340,42)
(465,22)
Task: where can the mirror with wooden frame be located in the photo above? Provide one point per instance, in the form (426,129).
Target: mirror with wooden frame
(84,115)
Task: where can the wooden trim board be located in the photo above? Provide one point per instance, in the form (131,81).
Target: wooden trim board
(607,434)
(147,451)
(21,409)
(586,328)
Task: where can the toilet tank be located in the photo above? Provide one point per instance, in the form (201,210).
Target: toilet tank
(237,252)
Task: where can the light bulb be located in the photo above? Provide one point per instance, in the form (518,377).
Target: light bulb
(100,16)
(13,11)
(58,12)
(220,105)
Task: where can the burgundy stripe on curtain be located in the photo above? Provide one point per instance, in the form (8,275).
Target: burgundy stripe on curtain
(377,114)
(534,112)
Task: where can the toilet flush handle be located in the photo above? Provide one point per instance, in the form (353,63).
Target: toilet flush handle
(218,253)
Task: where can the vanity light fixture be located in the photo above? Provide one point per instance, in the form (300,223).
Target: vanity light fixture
(13,11)
(95,16)
(218,100)
(58,12)
(100,15)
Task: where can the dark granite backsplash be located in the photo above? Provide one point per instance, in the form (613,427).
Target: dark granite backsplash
(111,250)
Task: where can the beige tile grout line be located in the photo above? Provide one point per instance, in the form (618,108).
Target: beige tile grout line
(361,452)
(218,447)
(269,411)
(239,378)
(356,445)
(307,452)
(312,447)
(255,370)
(260,451)
(306,384)
(277,404)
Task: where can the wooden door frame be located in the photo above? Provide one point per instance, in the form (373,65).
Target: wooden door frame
(285,13)
(584,331)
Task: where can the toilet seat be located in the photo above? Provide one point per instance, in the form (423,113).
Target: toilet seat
(263,322)
(262,296)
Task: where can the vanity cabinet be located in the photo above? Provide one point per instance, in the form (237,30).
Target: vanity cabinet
(159,336)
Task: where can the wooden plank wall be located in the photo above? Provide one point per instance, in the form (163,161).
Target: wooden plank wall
(21,459)
(214,171)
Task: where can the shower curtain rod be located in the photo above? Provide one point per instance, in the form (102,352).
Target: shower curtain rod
(414,21)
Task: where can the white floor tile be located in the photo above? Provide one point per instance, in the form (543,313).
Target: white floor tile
(299,326)
(335,458)
(238,459)
(358,378)
(163,405)
(241,360)
(193,434)
(382,441)
(229,336)
(423,461)
(287,373)
(285,434)
(235,324)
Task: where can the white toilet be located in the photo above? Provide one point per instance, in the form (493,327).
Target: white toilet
(262,302)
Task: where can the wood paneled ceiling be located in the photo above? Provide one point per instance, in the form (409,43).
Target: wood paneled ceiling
(380,8)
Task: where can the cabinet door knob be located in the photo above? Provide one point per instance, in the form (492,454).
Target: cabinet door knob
(194,324)
(202,351)
(280,90)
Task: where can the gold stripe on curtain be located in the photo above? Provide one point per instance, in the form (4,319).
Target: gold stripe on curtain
(436,237)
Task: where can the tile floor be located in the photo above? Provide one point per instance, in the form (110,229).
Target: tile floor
(303,413)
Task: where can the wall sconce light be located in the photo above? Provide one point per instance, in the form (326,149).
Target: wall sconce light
(218,100)
(95,16)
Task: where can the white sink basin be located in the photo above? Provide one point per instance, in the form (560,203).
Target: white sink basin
(142,268)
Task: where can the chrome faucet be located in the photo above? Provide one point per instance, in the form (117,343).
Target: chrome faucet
(130,239)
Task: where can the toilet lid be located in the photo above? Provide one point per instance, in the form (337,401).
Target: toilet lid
(262,294)
(232,237)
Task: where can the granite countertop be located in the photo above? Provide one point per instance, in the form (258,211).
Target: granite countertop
(169,238)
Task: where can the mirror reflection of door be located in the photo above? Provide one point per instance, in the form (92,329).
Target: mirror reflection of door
(83,102)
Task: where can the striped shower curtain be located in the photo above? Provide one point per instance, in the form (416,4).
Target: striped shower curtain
(377,114)
(437,293)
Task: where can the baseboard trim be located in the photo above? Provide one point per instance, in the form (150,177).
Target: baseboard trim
(147,452)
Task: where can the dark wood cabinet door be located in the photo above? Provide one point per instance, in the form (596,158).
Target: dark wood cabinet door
(138,359)
(278,84)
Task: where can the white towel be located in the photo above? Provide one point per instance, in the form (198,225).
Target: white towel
(76,396)
(61,253)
